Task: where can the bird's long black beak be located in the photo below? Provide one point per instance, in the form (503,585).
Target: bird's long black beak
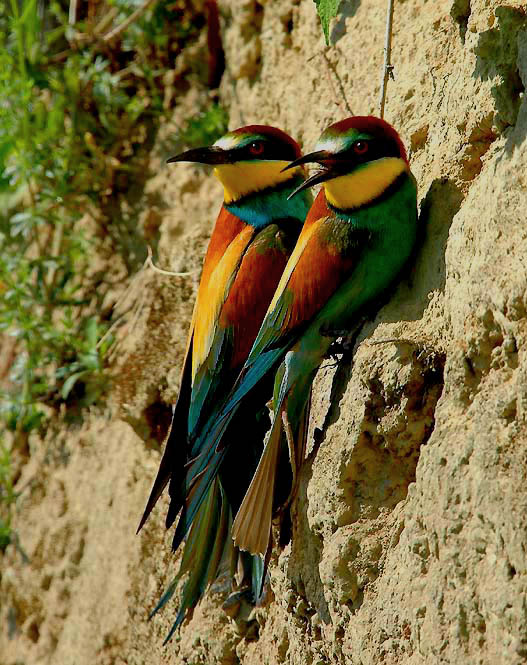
(209,155)
(315,179)
(320,157)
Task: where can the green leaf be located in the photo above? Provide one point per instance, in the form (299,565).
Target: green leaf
(69,383)
(5,534)
(205,127)
(29,10)
(32,420)
(327,9)
(91,332)
(90,360)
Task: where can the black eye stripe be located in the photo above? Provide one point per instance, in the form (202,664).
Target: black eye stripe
(268,150)
(376,149)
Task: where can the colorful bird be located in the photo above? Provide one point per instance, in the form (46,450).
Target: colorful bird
(254,235)
(359,234)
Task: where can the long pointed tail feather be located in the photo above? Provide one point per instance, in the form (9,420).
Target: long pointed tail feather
(251,529)
(204,549)
(195,498)
(206,463)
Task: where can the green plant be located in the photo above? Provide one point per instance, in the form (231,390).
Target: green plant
(44,253)
(76,113)
(327,9)
(69,129)
(205,127)
(7,498)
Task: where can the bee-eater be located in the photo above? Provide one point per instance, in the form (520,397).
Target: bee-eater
(254,235)
(358,235)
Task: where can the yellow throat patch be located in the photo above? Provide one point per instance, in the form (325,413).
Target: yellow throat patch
(244,178)
(364,185)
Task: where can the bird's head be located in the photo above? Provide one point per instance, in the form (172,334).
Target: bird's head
(248,159)
(360,157)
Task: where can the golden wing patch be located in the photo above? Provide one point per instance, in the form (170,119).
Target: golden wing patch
(212,295)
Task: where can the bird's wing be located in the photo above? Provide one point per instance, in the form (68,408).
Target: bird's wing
(238,313)
(250,288)
(324,256)
(229,239)
(322,262)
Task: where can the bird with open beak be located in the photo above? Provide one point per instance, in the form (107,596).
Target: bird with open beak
(358,236)
(254,235)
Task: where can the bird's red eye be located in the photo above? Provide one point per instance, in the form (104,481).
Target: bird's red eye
(256,148)
(360,147)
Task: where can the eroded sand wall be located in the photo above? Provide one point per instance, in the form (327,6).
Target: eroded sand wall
(410,528)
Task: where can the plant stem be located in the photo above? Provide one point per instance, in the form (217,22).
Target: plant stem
(72,15)
(133,17)
(23,72)
(387,70)
(332,67)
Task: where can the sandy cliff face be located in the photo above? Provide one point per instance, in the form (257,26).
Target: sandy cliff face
(410,527)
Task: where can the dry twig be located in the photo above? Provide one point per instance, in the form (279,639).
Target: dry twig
(72,15)
(105,21)
(392,340)
(387,70)
(131,291)
(332,68)
(150,264)
(133,17)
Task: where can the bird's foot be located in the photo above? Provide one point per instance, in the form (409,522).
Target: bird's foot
(343,345)
(344,340)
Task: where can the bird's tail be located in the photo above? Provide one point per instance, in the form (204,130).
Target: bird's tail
(208,544)
(281,459)
(209,552)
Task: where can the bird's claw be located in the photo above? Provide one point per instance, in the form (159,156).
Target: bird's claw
(343,346)
(344,340)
